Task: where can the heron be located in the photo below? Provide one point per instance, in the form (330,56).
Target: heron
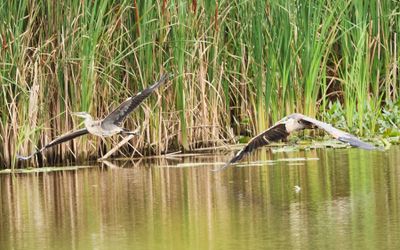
(110,125)
(291,123)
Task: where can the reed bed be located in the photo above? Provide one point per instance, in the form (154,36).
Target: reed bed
(238,66)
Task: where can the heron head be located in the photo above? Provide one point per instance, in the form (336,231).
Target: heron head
(292,118)
(81,114)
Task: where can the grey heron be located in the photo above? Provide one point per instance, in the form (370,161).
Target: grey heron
(291,123)
(108,126)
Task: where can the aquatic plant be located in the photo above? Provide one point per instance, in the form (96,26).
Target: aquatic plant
(239,65)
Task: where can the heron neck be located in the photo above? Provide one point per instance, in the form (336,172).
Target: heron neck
(88,121)
(293,125)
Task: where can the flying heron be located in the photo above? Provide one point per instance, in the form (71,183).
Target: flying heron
(294,122)
(108,126)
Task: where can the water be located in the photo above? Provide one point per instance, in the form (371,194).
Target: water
(348,199)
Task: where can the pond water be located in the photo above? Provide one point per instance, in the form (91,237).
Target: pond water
(316,199)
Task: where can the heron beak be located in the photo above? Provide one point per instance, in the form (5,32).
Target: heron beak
(79,114)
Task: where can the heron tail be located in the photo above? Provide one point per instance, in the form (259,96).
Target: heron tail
(128,132)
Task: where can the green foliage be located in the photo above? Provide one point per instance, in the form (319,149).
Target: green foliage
(387,120)
(390,120)
(235,63)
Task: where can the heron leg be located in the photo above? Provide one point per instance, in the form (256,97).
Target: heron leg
(103,146)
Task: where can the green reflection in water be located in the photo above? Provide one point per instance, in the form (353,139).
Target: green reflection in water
(348,199)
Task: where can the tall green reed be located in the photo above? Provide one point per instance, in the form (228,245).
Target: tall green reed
(238,66)
(179,33)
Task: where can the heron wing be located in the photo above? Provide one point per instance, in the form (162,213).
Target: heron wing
(123,110)
(274,133)
(339,134)
(57,141)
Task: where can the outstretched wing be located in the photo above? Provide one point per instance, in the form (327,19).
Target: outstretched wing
(123,110)
(339,134)
(274,133)
(56,141)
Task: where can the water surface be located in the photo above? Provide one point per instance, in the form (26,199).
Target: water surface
(345,199)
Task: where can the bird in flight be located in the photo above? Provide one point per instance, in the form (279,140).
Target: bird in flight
(294,122)
(110,125)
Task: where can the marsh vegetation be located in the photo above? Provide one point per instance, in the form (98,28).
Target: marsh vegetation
(239,66)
